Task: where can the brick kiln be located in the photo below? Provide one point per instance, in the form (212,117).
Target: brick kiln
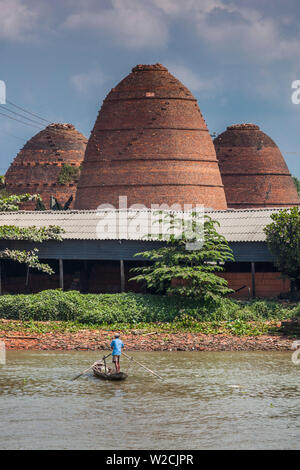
(253,169)
(48,164)
(151,144)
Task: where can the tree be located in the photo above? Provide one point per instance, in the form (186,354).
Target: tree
(175,269)
(297,184)
(9,203)
(31,234)
(283,238)
(68,173)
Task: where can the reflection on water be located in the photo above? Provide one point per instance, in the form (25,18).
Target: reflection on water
(208,400)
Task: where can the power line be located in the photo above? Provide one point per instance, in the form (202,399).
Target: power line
(28,112)
(18,120)
(23,117)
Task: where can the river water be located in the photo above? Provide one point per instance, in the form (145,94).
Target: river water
(209,400)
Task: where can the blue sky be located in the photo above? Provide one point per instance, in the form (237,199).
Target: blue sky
(59,59)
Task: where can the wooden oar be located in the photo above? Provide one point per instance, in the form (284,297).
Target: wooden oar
(144,367)
(86,370)
(103,359)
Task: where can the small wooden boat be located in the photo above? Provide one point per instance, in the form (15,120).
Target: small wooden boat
(116,376)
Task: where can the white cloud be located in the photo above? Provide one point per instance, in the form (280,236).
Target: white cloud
(235,29)
(16,20)
(133,23)
(247,33)
(86,82)
(188,7)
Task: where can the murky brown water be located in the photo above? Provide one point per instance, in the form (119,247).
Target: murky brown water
(209,400)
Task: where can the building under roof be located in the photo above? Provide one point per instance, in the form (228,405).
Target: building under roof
(99,248)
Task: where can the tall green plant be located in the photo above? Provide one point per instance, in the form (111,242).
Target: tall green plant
(297,183)
(32,234)
(283,238)
(176,269)
(68,173)
(9,203)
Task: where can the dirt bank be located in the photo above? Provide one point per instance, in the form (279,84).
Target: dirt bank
(160,341)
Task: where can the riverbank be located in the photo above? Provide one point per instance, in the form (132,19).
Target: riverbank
(60,336)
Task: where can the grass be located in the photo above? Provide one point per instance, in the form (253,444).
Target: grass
(235,328)
(57,311)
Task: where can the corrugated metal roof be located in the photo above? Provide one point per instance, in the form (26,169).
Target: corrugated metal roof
(236,225)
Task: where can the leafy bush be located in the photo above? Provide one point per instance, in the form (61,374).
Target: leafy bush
(68,173)
(55,305)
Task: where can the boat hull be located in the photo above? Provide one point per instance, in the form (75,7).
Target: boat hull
(113,377)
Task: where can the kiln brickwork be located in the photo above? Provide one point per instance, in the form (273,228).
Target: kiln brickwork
(151,144)
(37,167)
(253,169)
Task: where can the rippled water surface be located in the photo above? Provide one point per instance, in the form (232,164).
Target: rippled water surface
(208,400)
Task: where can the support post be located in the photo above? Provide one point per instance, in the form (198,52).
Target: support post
(84,285)
(122,274)
(27,279)
(61,274)
(0,278)
(27,276)
(253,279)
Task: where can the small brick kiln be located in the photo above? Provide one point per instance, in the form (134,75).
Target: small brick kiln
(48,164)
(253,169)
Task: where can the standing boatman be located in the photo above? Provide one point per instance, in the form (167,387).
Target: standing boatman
(117,345)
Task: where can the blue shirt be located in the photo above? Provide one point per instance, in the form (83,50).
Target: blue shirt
(117,345)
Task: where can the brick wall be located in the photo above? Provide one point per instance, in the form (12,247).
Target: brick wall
(268,284)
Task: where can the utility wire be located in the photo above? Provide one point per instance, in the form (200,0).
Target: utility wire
(22,116)
(28,112)
(22,122)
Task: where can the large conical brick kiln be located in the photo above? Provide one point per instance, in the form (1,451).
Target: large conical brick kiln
(48,164)
(253,169)
(151,144)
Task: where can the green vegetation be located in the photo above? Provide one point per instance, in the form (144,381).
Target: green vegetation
(283,238)
(133,309)
(176,269)
(2,184)
(68,174)
(33,234)
(181,325)
(297,184)
(11,203)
